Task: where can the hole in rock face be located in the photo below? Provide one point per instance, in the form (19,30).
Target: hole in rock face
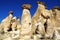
(29,23)
(10,29)
(45,26)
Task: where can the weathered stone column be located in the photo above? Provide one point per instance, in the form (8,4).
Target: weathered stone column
(45,13)
(26,22)
(7,21)
(40,17)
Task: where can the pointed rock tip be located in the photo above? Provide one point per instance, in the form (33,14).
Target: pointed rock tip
(26,6)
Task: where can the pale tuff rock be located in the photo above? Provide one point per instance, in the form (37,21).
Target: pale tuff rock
(15,31)
(43,25)
(14,24)
(58,19)
(26,37)
(56,10)
(9,38)
(6,22)
(38,17)
(57,33)
(54,19)
(18,24)
(15,34)
(49,28)
(57,16)
(26,23)
(35,37)
(40,28)
(49,25)
(41,16)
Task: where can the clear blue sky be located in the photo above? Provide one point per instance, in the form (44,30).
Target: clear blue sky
(15,6)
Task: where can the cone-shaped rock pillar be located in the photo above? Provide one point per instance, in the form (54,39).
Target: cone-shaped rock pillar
(47,22)
(7,21)
(26,21)
(38,17)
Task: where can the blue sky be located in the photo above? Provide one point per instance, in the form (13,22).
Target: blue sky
(15,6)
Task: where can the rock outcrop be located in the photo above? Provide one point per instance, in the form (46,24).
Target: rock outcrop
(45,24)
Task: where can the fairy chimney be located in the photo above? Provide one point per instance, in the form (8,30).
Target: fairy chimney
(7,22)
(26,20)
(38,16)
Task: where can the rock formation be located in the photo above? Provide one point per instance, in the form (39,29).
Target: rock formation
(26,22)
(45,24)
(14,24)
(18,24)
(38,18)
(6,22)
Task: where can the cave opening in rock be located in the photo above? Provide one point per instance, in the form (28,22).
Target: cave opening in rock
(10,29)
(45,26)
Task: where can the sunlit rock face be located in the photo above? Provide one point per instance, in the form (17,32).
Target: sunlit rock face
(44,25)
(38,17)
(26,23)
(57,33)
(58,25)
(56,11)
(18,24)
(14,24)
(6,22)
(57,17)
(49,27)
(40,31)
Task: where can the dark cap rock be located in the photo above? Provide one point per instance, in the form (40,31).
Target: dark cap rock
(38,2)
(56,7)
(26,6)
(10,12)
